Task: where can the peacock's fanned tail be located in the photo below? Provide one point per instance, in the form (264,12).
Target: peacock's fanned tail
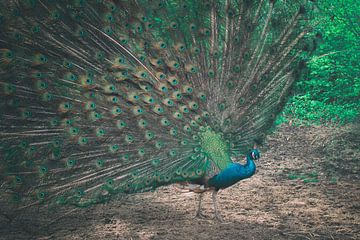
(102,97)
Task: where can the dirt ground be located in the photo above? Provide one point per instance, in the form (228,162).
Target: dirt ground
(306,187)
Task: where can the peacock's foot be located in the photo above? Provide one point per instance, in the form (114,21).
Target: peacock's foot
(219,218)
(201,216)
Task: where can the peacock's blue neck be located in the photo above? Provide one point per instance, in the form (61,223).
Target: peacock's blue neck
(250,165)
(232,174)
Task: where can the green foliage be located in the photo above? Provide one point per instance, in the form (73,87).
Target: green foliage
(330,92)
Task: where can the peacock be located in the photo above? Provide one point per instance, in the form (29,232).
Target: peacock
(102,98)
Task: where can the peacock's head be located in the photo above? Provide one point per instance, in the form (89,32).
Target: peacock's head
(254,154)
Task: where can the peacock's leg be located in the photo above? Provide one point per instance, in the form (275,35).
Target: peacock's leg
(198,212)
(217,215)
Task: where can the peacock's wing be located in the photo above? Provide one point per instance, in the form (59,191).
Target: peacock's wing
(102,97)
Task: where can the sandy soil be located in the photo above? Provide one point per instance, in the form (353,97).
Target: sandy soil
(306,187)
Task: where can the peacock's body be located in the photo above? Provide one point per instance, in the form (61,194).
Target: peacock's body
(107,97)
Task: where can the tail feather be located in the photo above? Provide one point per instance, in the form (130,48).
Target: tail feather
(105,97)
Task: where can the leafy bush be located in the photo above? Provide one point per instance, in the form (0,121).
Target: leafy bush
(330,92)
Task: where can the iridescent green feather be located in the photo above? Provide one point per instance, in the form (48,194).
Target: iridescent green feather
(109,97)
